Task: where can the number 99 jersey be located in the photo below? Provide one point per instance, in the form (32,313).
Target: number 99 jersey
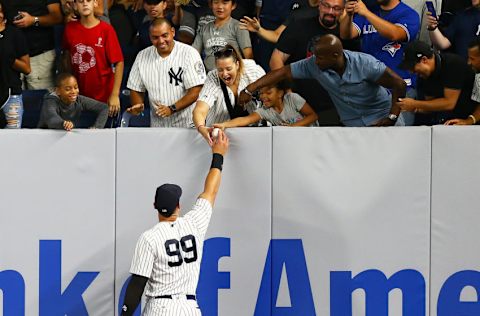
(169,254)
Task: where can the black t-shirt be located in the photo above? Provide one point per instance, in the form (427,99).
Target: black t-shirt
(451,72)
(298,38)
(39,38)
(12,45)
(301,9)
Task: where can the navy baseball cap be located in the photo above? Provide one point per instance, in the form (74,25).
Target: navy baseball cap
(413,53)
(167,198)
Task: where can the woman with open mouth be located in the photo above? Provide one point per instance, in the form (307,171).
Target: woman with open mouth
(217,101)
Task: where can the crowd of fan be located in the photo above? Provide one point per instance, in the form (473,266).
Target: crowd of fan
(203,64)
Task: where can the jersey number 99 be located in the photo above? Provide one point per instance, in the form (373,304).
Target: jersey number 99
(174,248)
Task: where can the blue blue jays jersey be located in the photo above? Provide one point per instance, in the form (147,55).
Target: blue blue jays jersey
(385,50)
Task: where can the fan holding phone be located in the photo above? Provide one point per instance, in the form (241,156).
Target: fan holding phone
(463,29)
(383,32)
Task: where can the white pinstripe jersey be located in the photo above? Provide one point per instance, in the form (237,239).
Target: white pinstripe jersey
(212,92)
(169,254)
(167,80)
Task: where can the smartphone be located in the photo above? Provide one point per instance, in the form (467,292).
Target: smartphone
(19,16)
(431,8)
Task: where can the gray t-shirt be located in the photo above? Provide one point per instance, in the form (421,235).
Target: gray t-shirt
(55,112)
(211,39)
(292,104)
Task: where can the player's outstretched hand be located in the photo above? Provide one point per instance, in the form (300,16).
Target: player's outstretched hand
(220,143)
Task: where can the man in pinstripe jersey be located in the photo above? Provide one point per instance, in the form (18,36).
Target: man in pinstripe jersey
(167,257)
(171,72)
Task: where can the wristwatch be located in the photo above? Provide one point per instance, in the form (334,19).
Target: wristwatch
(173,108)
(36,21)
(392,117)
(248,92)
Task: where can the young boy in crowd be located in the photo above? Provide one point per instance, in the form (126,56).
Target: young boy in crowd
(224,30)
(154,9)
(63,107)
(90,48)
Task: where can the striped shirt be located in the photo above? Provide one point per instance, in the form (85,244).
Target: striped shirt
(476,89)
(169,254)
(167,81)
(212,92)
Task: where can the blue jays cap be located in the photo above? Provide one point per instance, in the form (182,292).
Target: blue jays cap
(167,198)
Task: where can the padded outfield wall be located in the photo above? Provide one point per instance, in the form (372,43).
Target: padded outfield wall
(308,221)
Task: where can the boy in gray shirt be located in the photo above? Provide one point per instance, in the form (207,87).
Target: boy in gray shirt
(214,35)
(62,108)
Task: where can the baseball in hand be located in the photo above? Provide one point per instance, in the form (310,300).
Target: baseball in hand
(215,132)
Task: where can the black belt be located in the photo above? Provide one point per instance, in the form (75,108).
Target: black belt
(188,296)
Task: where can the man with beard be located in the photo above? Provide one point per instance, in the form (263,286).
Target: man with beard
(463,29)
(474,62)
(297,42)
(445,82)
(383,32)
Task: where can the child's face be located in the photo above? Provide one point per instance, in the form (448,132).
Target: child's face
(68,90)
(222,9)
(85,7)
(271,96)
(155,10)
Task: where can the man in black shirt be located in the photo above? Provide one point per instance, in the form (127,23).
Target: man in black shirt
(36,19)
(445,82)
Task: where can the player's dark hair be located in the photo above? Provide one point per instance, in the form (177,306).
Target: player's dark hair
(61,77)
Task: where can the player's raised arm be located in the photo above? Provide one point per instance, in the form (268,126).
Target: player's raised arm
(212,182)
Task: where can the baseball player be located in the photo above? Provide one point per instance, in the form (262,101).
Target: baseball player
(167,257)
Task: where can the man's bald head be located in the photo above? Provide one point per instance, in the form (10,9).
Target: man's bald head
(329,52)
(329,44)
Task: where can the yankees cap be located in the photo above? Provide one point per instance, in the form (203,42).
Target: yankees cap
(167,197)
(413,53)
